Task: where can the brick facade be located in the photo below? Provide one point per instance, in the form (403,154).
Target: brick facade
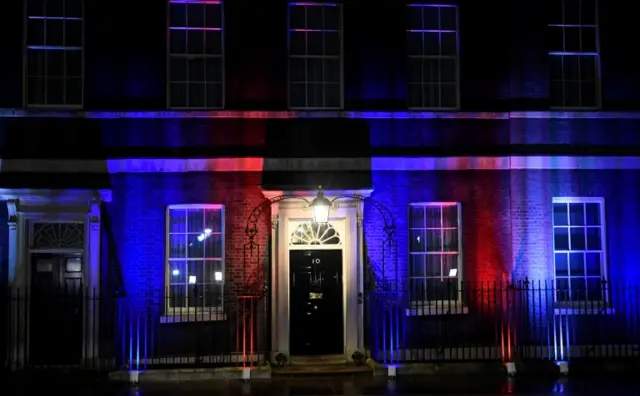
(139,221)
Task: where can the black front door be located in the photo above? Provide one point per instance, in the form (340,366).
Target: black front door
(315,320)
(56,306)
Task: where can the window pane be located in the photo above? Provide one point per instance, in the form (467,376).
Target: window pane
(594,241)
(450,240)
(578,241)
(177,220)
(434,265)
(593,214)
(434,241)
(417,217)
(449,263)
(576,214)
(213,219)
(315,76)
(177,246)
(417,264)
(177,272)
(593,264)
(576,264)
(562,264)
(582,238)
(195,220)
(434,219)
(561,238)
(213,246)
(417,243)
(177,297)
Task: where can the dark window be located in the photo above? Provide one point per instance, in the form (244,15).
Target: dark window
(196,54)
(315,55)
(54,53)
(195,258)
(432,42)
(434,252)
(578,249)
(574,54)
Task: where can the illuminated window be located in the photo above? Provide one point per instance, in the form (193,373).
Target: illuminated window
(195,258)
(432,34)
(54,53)
(196,54)
(574,54)
(435,255)
(578,249)
(315,55)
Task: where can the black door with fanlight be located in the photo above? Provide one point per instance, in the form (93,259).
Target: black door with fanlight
(316,316)
(56,309)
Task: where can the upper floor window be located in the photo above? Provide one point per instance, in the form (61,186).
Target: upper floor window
(432,36)
(54,67)
(195,258)
(574,54)
(578,249)
(315,56)
(435,255)
(195,69)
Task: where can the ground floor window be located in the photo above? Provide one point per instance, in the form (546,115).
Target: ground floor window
(435,255)
(578,249)
(195,258)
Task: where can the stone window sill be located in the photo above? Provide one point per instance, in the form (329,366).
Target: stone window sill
(578,310)
(437,309)
(194,317)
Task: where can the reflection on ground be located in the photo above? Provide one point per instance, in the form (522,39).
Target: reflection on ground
(461,385)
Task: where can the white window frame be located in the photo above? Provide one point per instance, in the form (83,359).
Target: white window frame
(587,304)
(47,48)
(187,314)
(305,57)
(438,307)
(423,57)
(596,60)
(171,56)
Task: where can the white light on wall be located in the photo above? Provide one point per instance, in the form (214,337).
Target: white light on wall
(192,279)
(175,272)
(453,272)
(218,276)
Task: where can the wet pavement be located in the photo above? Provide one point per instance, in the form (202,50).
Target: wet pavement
(459,385)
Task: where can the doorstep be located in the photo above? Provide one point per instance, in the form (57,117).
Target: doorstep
(186,374)
(462,368)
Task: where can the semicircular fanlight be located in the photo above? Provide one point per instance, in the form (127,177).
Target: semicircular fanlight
(315,234)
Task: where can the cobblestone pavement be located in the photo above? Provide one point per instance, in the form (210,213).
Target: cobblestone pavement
(461,385)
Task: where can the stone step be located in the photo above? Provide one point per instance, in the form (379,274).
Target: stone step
(321,360)
(321,370)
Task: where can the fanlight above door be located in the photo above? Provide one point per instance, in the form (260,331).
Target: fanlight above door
(311,233)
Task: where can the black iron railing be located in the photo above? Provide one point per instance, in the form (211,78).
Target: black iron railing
(60,328)
(82,329)
(506,321)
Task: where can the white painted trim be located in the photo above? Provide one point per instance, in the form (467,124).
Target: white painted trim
(44,113)
(196,312)
(604,264)
(288,211)
(73,205)
(375,164)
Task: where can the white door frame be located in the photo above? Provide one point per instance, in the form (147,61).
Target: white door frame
(43,205)
(348,221)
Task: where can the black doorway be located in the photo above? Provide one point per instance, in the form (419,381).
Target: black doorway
(56,309)
(315,319)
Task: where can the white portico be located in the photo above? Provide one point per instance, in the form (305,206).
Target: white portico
(291,219)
